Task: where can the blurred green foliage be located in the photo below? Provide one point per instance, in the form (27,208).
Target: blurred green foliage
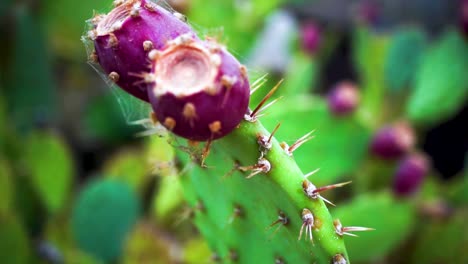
(31,90)
(14,242)
(6,187)
(105,212)
(341,142)
(52,183)
(392,219)
(103,118)
(451,236)
(403,58)
(441,83)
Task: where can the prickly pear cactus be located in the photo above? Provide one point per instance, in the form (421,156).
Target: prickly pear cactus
(249,198)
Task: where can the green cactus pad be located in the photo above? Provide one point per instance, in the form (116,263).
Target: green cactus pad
(369,52)
(103,215)
(404,55)
(52,183)
(25,106)
(442,69)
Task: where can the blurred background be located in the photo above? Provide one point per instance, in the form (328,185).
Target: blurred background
(385,84)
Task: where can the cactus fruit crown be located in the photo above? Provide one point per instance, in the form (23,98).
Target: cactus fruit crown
(199,91)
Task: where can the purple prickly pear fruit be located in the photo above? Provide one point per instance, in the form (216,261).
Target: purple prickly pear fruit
(392,141)
(124,37)
(410,174)
(368,12)
(201,92)
(464,16)
(310,37)
(343,99)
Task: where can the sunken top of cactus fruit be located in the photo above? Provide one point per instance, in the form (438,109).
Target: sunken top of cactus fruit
(124,37)
(185,70)
(200,92)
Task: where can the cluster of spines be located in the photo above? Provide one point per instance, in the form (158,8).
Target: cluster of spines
(310,190)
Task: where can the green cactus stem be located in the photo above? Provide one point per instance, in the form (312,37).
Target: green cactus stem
(234,211)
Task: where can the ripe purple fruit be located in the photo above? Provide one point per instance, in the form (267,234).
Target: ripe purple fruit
(343,98)
(310,37)
(410,174)
(200,92)
(392,141)
(123,38)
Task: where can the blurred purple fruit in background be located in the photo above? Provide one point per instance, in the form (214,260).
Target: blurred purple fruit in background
(310,37)
(410,174)
(343,99)
(392,141)
(464,16)
(368,12)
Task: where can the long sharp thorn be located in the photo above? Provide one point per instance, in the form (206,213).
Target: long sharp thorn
(311,173)
(350,234)
(246,168)
(269,104)
(301,141)
(274,232)
(357,229)
(144,121)
(273,133)
(269,94)
(255,88)
(325,200)
(253,174)
(148,132)
(261,79)
(300,232)
(272,224)
(332,186)
(258,84)
(206,152)
(258,116)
